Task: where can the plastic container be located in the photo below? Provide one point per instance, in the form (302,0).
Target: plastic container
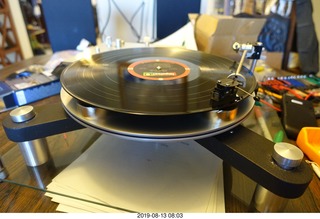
(308,141)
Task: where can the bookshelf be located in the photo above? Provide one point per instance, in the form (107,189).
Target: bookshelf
(10,51)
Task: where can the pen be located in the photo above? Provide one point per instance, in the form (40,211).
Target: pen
(278,137)
(315,167)
(262,123)
(270,93)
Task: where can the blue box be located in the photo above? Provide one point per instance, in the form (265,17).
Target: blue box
(26,87)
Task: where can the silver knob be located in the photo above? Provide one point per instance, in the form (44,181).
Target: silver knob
(22,114)
(286,155)
(119,43)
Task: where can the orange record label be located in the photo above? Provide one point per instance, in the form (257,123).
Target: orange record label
(158,70)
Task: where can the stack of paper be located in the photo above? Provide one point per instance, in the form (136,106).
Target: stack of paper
(141,176)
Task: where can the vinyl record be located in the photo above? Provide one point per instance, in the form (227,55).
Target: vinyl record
(150,81)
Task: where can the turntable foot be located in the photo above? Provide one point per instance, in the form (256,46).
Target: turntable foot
(35,152)
(288,157)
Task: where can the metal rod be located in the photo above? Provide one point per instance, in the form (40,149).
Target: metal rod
(265,201)
(253,65)
(36,152)
(241,61)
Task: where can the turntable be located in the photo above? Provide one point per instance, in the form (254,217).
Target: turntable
(166,94)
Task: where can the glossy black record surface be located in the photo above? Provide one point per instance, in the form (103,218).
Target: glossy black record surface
(150,81)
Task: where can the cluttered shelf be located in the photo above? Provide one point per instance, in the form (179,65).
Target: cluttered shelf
(65,148)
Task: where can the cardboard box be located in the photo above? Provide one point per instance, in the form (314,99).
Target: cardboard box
(274,59)
(216,34)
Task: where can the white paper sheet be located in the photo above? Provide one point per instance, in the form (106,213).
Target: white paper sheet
(142,177)
(184,37)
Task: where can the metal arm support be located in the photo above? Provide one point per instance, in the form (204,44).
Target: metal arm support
(251,154)
(245,150)
(49,120)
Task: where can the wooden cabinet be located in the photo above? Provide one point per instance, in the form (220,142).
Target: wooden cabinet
(10,50)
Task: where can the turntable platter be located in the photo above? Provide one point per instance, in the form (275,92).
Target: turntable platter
(154,128)
(150,81)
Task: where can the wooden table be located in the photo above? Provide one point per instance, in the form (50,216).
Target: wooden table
(67,147)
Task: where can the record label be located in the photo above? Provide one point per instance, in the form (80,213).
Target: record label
(158,70)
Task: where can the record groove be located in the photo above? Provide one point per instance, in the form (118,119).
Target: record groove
(105,80)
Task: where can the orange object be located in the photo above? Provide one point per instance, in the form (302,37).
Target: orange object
(308,141)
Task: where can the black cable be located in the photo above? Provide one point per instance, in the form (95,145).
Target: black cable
(129,22)
(141,20)
(141,7)
(108,19)
(126,19)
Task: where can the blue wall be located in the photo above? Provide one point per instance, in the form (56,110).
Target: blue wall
(173,14)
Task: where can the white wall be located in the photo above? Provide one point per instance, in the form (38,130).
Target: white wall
(140,14)
(21,30)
